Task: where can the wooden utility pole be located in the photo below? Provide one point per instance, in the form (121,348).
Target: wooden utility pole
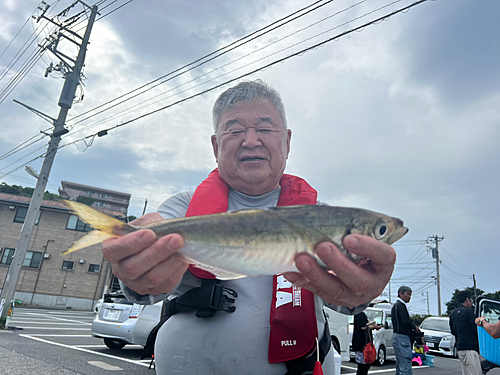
(72,78)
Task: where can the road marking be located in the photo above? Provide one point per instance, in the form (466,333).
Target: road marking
(85,350)
(383,370)
(129,346)
(59,323)
(47,335)
(105,366)
(59,328)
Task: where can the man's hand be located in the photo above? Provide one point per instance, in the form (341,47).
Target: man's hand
(145,264)
(350,284)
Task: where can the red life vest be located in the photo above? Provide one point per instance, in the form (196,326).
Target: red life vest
(293,314)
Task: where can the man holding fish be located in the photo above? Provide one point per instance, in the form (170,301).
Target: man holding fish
(278,320)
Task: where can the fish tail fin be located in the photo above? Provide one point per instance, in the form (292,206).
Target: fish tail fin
(90,239)
(104,225)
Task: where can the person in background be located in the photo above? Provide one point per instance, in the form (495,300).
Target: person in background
(463,327)
(362,335)
(251,143)
(493,329)
(404,332)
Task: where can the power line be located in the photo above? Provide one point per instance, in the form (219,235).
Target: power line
(264,67)
(131,109)
(307,49)
(223,50)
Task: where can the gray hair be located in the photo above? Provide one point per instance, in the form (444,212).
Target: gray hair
(247,91)
(403,289)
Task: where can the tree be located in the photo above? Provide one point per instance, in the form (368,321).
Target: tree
(27,192)
(85,200)
(454,298)
(131,218)
(495,296)
(417,319)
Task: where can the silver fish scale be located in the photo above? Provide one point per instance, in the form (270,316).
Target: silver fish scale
(265,242)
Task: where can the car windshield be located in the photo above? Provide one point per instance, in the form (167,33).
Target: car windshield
(374,315)
(436,325)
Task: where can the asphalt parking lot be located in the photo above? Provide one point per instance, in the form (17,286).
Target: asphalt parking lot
(48,341)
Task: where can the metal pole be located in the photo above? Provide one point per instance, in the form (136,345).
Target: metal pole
(428,307)
(475,288)
(437,276)
(68,91)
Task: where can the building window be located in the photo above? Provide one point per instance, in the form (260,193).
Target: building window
(88,193)
(102,195)
(21,215)
(68,265)
(75,223)
(32,259)
(94,268)
(8,254)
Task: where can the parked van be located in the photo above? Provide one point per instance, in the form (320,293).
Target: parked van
(339,330)
(381,314)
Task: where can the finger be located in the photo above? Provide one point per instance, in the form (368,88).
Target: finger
(317,280)
(140,263)
(357,277)
(368,247)
(116,249)
(162,278)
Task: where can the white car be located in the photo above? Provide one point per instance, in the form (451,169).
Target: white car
(339,331)
(381,314)
(437,335)
(120,322)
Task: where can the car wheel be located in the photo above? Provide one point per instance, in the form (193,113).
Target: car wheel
(335,344)
(381,356)
(114,344)
(455,351)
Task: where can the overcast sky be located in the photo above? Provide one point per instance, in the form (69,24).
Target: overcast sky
(401,117)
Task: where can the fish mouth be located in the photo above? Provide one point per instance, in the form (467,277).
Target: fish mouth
(398,234)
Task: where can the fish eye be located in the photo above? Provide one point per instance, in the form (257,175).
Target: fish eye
(380,230)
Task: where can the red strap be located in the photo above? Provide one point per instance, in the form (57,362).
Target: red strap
(293,315)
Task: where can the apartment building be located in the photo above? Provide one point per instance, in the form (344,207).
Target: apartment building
(112,203)
(48,278)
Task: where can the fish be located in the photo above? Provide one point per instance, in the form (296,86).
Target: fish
(251,242)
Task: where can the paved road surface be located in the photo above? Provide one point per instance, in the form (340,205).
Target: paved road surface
(49,341)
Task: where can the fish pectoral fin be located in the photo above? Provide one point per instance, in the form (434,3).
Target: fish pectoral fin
(90,239)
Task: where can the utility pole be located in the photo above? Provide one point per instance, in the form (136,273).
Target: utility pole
(390,301)
(475,287)
(435,254)
(145,205)
(72,77)
(428,307)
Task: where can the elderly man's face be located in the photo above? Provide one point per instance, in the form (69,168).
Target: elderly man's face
(251,146)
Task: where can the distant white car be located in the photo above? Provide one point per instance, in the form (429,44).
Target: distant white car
(381,314)
(437,335)
(120,322)
(339,331)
